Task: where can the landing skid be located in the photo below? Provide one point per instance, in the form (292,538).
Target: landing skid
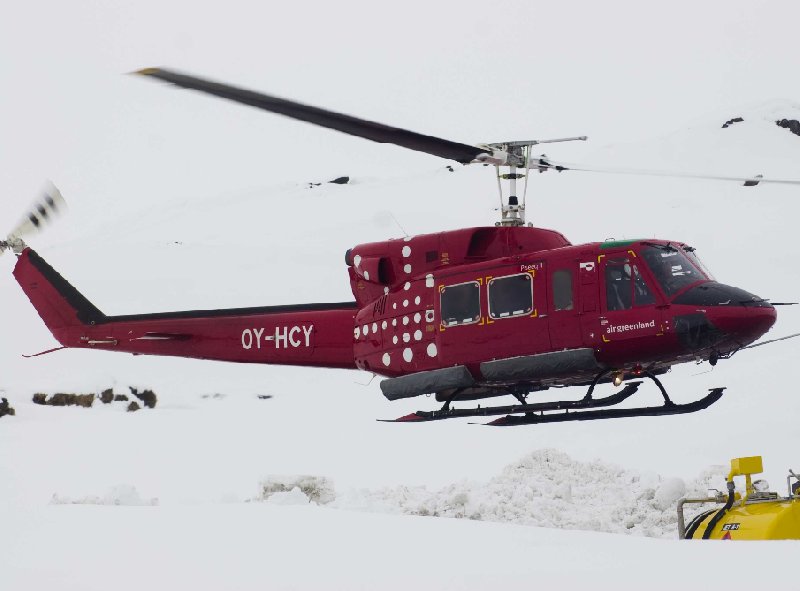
(614,413)
(533,414)
(490,411)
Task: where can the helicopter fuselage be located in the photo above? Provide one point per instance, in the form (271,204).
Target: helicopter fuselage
(477,295)
(486,299)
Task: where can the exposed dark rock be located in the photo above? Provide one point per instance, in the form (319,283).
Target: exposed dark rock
(58,399)
(62,399)
(730,122)
(84,400)
(148,397)
(5,408)
(340,180)
(264,396)
(133,406)
(792,125)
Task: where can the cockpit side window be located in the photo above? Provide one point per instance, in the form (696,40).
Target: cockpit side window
(642,296)
(625,285)
(618,284)
(461,303)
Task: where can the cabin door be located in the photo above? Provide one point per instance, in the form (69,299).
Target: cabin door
(588,303)
(629,305)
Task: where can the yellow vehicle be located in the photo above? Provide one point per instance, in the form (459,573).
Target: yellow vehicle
(758,515)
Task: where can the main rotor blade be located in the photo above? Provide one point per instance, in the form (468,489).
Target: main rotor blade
(748,181)
(377,132)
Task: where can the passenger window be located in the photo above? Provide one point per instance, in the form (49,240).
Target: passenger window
(511,296)
(461,304)
(562,290)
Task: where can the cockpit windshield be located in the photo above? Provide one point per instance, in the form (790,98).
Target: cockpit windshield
(690,252)
(673,267)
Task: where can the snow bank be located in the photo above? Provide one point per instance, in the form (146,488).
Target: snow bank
(317,489)
(289,497)
(547,488)
(122,494)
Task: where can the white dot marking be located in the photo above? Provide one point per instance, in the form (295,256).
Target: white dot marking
(406,251)
(418,335)
(432,350)
(408,354)
(386,359)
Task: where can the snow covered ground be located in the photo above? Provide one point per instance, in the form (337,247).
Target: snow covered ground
(182,202)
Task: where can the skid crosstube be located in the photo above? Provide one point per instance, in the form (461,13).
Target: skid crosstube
(614,413)
(452,413)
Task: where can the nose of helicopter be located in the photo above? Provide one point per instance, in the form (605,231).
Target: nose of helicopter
(743,325)
(738,317)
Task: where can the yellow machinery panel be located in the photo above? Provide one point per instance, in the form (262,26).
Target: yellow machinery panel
(759,520)
(757,514)
(744,466)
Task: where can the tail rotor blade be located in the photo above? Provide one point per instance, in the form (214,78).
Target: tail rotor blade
(42,212)
(371,130)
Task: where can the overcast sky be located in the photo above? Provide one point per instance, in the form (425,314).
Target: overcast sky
(469,71)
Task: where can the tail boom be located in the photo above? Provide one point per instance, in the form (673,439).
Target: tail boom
(315,335)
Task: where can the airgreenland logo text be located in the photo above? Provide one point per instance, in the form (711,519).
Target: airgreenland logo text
(630,327)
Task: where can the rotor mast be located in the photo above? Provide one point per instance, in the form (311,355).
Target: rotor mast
(519,156)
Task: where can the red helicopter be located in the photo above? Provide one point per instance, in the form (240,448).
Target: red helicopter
(466,314)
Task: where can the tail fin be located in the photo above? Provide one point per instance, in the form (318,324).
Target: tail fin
(59,304)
